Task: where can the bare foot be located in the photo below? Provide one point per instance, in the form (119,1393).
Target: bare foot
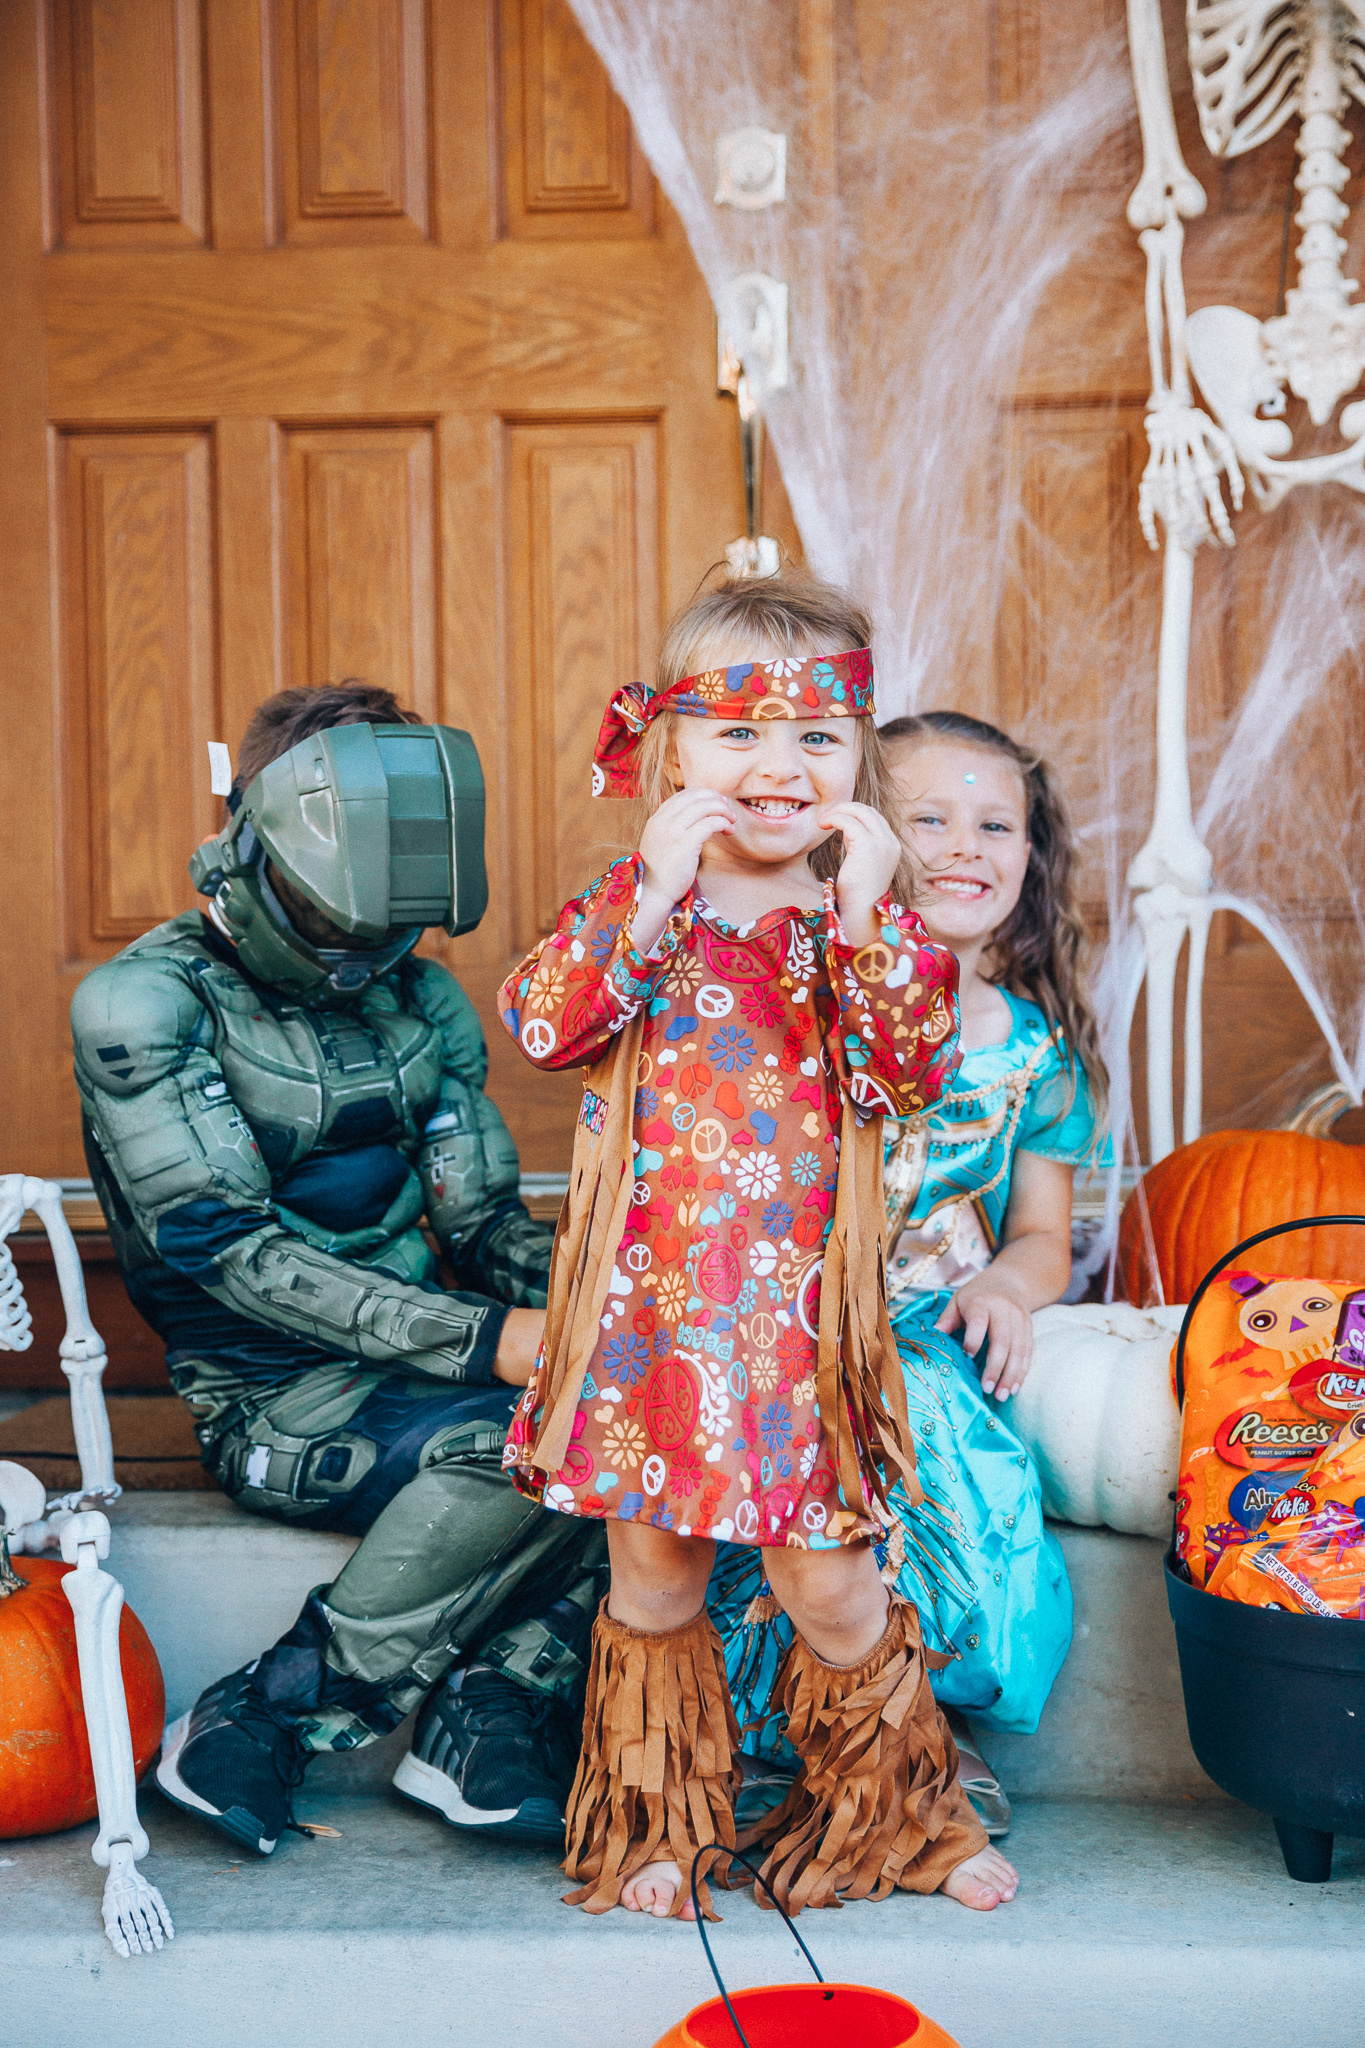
(983,1882)
(653,1890)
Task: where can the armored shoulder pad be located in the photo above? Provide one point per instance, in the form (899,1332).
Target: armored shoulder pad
(433,992)
(133,1021)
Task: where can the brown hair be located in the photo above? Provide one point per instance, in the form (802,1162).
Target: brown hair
(794,615)
(293,715)
(1039,951)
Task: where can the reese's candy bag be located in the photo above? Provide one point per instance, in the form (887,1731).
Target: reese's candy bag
(1309,1557)
(1273,1365)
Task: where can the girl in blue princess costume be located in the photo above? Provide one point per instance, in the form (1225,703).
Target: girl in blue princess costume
(978,1194)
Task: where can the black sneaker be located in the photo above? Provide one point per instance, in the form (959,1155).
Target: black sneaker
(483,1756)
(229,1760)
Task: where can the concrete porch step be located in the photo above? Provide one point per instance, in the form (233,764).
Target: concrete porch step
(214,1585)
(1137,1926)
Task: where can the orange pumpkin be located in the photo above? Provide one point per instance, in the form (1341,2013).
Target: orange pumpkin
(46,1781)
(1206,1197)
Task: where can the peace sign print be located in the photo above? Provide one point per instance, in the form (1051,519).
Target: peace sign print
(538,1037)
(639,1258)
(713,1000)
(709,1140)
(671,1404)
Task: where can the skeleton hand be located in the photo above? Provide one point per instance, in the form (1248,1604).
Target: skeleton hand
(135,1916)
(1180,485)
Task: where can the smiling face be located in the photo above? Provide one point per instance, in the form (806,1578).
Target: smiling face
(966,823)
(780,773)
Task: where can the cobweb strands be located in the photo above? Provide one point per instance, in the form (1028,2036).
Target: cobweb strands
(917,248)
(944,255)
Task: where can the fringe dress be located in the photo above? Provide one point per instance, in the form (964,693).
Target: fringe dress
(700,1398)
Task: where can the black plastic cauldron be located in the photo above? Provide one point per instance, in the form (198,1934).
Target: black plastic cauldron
(1275,1701)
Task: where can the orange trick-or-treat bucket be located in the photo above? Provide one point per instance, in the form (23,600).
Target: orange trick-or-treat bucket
(808,2016)
(815,2015)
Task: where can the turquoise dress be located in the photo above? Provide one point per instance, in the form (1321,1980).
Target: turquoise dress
(985,1573)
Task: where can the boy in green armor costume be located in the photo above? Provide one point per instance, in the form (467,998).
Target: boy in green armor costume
(276,1093)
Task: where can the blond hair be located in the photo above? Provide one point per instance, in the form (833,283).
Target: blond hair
(795,616)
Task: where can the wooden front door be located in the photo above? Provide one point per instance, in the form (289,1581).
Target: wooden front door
(342,338)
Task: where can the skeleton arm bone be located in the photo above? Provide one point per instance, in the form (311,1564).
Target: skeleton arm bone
(1165,180)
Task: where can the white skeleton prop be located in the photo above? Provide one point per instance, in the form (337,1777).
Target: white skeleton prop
(1255,64)
(135,1916)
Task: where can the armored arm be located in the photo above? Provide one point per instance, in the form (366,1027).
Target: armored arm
(468,1163)
(188,1170)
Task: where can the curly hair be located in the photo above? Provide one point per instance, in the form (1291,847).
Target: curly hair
(786,614)
(293,715)
(1039,951)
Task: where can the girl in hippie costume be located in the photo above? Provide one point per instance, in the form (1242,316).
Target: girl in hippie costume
(750,1001)
(978,1201)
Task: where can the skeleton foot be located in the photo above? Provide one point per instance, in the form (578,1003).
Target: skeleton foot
(136,1918)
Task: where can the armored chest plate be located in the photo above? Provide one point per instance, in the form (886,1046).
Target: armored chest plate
(329,1080)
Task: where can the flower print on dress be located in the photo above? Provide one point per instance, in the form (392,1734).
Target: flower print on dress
(764,1088)
(625,1359)
(764,1372)
(671,1296)
(759,1175)
(776,1425)
(795,1352)
(545,990)
(603,943)
(805,1169)
(646,1102)
(731,1049)
(761,1004)
(685,972)
(684,1474)
(777,1220)
(625,1443)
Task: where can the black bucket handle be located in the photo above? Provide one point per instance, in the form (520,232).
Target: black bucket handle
(1261,1236)
(719,1849)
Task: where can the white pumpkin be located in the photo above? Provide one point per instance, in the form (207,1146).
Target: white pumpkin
(1098,1414)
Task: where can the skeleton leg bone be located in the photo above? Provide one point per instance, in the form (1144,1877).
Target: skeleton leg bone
(136,1919)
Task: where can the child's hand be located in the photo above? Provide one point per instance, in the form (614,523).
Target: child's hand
(992,1305)
(670,847)
(872,853)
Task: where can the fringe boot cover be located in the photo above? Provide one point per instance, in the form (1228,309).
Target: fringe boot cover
(877,1806)
(659,1769)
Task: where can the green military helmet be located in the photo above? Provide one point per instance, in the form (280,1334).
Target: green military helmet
(379,827)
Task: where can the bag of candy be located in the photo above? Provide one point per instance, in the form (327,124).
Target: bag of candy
(1273,1365)
(1309,1556)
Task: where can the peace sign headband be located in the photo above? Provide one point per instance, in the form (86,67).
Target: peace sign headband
(816,686)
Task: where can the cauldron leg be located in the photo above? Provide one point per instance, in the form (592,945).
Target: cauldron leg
(1307,1852)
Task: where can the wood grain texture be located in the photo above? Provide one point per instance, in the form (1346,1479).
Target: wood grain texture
(571,166)
(359,558)
(139,684)
(393,334)
(582,546)
(354,120)
(126,122)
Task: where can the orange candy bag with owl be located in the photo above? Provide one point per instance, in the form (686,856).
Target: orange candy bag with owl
(1309,1555)
(1273,1367)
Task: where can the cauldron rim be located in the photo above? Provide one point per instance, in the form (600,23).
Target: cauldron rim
(1302,1642)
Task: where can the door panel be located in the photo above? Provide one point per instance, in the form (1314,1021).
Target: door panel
(139,691)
